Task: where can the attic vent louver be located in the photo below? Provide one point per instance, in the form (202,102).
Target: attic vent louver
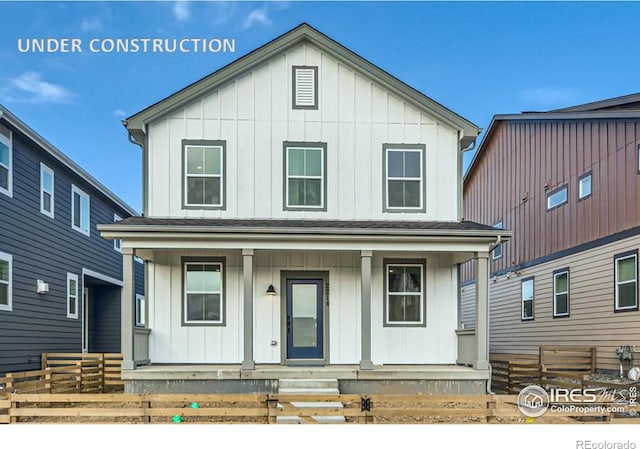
(305,88)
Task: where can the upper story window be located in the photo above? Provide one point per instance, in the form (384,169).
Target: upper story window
(6,261)
(526,297)
(117,243)
(6,161)
(497,251)
(204,174)
(557,198)
(80,210)
(305,167)
(626,281)
(404,293)
(584,186)
(47,179)
(305,87)
(404,178)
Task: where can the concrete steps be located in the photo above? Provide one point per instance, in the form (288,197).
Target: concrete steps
(311,387)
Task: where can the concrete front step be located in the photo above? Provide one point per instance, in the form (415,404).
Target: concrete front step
(308,383)
(325,387)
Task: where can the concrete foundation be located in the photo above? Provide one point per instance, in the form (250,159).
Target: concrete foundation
(201,386)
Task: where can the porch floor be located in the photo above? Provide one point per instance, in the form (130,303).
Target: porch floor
(269,371)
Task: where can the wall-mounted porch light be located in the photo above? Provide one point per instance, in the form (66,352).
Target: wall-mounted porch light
(271,290)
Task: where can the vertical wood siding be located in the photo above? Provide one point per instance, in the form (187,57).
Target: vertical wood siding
(253,114)
(522,157)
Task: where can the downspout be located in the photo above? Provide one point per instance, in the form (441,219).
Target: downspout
(461,152)
(132,139)
(496,244)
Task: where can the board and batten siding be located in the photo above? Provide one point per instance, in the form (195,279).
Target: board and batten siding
(46,248)
(170,342)
(253,114)
(592,321)
(522,156)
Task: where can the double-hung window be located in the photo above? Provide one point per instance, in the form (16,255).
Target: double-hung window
(72,295)
(626,281)
(80,210)
(204,292)
(561,293)
(404,178)
(305,168)
(47,179)
(204,174)
(6,267)
(404,302)
(527,292)
(6,161)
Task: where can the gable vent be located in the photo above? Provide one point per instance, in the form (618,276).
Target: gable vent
(305,88)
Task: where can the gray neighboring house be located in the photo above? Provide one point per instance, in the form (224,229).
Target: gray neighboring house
(60,281)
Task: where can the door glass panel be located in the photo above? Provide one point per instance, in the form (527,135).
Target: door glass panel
(305,315)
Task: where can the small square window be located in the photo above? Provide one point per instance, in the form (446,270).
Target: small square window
(557,198)
(584,186)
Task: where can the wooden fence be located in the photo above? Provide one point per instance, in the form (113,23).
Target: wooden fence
(110,366)
(561,366)
(263,408)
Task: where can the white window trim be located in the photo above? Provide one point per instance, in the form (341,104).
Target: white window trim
(581,194)
(9,142)
(555,192)
(186,176)
(70,294)
(532,300)
(219,322)
(117,243)
(45,169)
(140,311)
(9,306)
(421,294)
(495,254)
(617,284)
(419,178)
(556,293)
(321,178)
(82,193)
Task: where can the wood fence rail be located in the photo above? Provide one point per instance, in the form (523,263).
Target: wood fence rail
(266,408)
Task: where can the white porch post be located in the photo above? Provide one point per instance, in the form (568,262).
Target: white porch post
(126,307)
(482,310)
(365,299)
(247,273)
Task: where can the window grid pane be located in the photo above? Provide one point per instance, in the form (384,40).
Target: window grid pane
(203,290)
(404,293)
(404,179)
(305,175)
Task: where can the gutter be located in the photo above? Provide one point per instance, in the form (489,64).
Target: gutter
(496,244)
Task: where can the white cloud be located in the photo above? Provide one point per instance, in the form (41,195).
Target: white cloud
(256,17)
(90,24)
(120,113)
(549,97)
(181,11)
(31,88)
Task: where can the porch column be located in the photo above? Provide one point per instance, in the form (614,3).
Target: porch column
(247,273)
(126,307)
(365,303)
(482,310)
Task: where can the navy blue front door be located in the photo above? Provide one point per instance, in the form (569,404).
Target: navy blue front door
(305,320)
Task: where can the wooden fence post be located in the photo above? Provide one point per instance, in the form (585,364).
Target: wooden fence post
(101,370)
(509,386)
(48,384)
(9,384)
(594,359)
(491,408)
(44,360)
(272,407)
(14,405)
(541,359)
(79,376)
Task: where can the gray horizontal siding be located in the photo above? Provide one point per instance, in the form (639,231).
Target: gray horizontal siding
(45,248)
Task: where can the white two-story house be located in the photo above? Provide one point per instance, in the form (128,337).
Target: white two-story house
(302,216)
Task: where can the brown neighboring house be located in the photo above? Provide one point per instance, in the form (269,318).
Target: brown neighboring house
(567,182)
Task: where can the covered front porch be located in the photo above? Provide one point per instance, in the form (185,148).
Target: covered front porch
(362,338)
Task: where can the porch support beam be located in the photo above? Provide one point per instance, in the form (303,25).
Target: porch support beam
(482,311)
(126,307)
(365,302)
(247,273)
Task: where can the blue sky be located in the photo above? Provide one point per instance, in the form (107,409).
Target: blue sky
(476,58)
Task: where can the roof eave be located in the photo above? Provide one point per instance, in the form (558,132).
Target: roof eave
(303,32)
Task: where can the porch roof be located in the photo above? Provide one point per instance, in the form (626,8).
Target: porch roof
(273,226)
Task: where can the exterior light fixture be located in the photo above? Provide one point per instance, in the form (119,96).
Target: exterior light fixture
(271,290)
